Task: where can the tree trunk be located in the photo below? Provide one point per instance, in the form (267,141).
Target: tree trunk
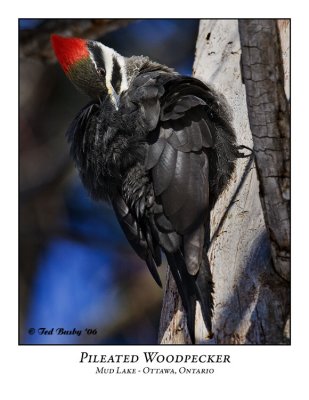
(251,299)
(263,74)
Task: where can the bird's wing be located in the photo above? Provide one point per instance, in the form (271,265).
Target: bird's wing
(138,236)
(178,162)
(177,156)
(175,111)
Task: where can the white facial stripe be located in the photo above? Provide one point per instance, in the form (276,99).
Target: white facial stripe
(108,61)
(124,81)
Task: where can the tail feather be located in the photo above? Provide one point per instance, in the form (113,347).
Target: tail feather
(204,292)
(193,288)
(185,286)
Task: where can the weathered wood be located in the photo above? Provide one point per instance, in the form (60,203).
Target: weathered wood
(269,117)
(285,41)
(251,300)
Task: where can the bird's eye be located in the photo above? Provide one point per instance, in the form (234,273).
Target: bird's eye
(101,71)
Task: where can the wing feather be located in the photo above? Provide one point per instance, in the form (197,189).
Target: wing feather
(176,194)
(154,153)
(140,241)
(163,171)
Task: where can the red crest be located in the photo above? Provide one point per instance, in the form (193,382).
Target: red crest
(69,50)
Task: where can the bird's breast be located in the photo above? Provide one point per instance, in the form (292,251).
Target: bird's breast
(106,160)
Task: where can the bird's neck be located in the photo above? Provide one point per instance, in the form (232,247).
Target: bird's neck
(134,65)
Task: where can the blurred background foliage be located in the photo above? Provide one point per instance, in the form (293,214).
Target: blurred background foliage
(76,269)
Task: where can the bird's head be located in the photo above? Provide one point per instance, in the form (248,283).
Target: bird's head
(95,69)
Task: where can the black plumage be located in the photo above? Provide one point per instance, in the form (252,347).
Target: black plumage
(161,156)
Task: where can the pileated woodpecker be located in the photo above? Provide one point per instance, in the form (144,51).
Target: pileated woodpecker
(160,148)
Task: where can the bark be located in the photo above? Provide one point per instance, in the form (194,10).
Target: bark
(251,299)
(268,107)
(35,43)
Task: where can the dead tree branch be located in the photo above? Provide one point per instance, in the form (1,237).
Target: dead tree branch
(35,43)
